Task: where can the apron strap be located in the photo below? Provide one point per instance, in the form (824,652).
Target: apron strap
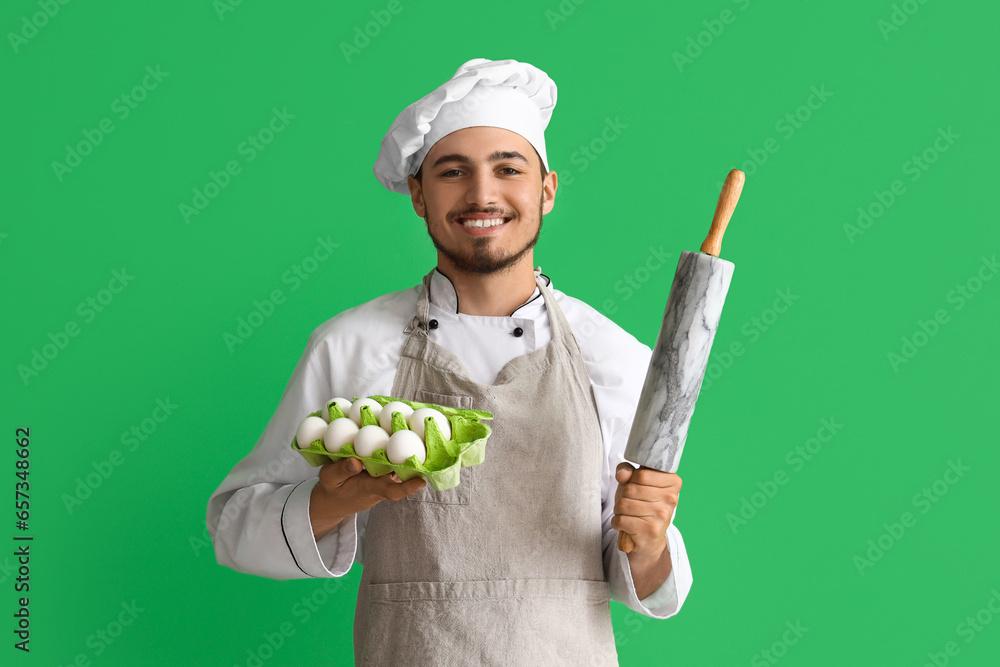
(418,326)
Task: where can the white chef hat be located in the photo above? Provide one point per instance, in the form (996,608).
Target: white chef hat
(507,94)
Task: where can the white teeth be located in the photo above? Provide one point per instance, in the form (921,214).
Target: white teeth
(492,222)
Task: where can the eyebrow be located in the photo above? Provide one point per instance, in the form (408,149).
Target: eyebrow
(496,156)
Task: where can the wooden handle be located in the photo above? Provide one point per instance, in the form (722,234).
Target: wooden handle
(625,542)
(731,190)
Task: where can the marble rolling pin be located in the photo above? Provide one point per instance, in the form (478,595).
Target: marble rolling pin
(680,357)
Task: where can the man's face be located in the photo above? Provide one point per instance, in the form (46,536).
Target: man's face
(482,175)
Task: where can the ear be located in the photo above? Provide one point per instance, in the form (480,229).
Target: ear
(549,186)
(416,196)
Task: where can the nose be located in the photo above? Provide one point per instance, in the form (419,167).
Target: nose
(483,190)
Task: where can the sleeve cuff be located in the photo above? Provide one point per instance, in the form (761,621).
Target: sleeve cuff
(330,556)
(666,600)
(662,601)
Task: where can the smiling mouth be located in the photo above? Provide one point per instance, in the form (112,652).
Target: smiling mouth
(479,223)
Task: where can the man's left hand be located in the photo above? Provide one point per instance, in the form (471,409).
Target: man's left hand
(644,505)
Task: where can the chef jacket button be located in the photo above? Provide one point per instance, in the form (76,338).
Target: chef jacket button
(433,324)
(518,332)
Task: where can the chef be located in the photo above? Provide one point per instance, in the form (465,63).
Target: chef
(517,564)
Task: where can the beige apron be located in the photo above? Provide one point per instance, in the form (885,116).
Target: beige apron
(507,567)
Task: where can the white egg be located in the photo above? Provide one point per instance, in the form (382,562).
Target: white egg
(368,439)
(355,412)
(344,404)
(385,419)
(416,422)
(311,428)
(404,444)
(340,432)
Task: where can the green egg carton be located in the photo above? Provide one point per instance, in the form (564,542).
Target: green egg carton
(445,458)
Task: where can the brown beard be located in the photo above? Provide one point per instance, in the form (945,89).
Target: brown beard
(483,261)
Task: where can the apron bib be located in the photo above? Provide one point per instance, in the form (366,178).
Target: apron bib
(507,567)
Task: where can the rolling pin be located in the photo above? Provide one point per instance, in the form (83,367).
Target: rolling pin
(677,367)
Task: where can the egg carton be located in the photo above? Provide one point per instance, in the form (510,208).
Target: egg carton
(445,458)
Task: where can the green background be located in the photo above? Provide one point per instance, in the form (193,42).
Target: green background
(889,88)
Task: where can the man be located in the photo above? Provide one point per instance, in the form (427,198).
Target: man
(517,563)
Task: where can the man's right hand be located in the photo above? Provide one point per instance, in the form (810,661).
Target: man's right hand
(345,488)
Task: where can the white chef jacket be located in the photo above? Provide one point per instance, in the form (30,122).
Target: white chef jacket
(259,516)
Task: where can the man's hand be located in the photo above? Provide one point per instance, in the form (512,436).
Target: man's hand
(644,506)
(345,488)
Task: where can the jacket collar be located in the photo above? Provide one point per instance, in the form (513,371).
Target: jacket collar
(443,296)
